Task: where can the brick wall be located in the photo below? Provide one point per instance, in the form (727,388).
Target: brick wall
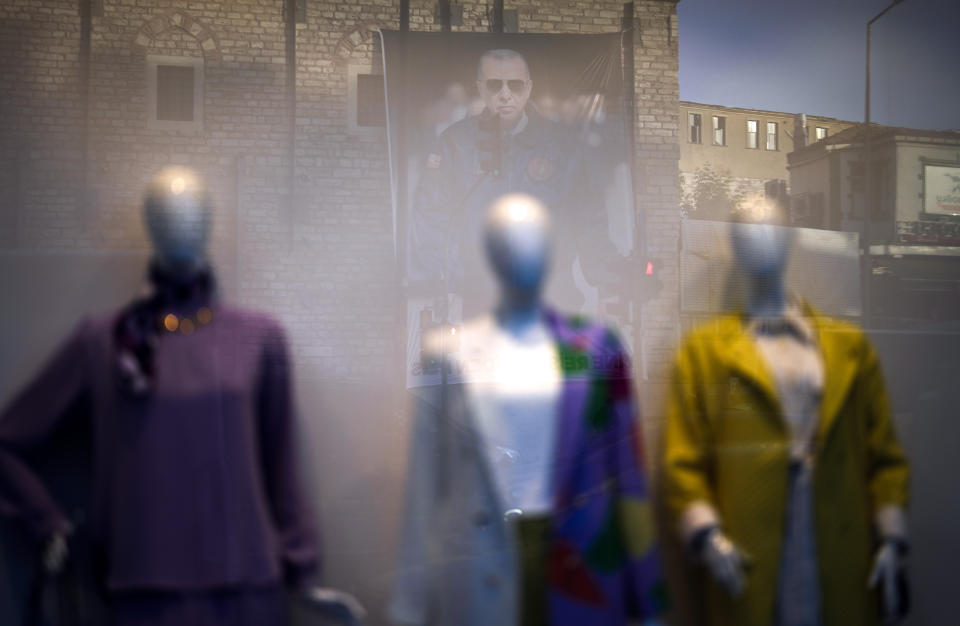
(39,106)
(342,181)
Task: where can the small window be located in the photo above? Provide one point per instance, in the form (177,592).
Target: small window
(175,93)
(719,130)
(366,101)
(694,124)
(371,104)
(753,134)
(820,133)
(772,136)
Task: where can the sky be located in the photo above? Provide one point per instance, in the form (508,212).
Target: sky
(808,56)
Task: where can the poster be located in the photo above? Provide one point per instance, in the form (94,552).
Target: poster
(475,116)
(941,189)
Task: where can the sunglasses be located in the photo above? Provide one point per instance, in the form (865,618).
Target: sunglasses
(494,85)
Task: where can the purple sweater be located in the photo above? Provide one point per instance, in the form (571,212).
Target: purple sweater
(195,485)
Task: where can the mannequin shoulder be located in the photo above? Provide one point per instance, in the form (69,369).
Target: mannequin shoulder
(249,324)
(583,333)
(844,336)
(712,337)
(90,327)
(91,335)
(720,327)
(450,340)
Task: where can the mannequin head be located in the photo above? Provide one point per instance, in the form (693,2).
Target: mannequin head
(760,239)
(517,240)
(177,211)
(761,246)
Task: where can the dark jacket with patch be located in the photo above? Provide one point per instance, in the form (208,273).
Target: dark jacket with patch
(462,178)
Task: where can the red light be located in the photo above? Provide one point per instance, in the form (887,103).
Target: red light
(649,268)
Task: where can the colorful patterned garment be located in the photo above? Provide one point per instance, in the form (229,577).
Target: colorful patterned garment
(458,561)
(603,563)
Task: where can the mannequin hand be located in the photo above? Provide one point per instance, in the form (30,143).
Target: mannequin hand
(56,551)
(889,573)
(335,604)
(725,561)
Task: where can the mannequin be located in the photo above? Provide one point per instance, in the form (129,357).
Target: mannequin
(764,460)
(515,479)
(196,514)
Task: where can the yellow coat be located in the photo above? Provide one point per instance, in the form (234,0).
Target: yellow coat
(726,443)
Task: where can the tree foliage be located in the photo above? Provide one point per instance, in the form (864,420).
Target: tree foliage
(712,195)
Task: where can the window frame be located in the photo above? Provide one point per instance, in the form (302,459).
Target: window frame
(196,124)
(756,135)
(816,133)
(353,72)
(718,123)
(775,135)
(691,117)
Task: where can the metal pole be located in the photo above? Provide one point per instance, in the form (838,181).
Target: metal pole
(86,27)
(290,34)
(496,24)
(399,77)
(238,163)
(629,80)
(444,15)
(866,264)
(400,135)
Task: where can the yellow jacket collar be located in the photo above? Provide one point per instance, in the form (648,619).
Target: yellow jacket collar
(840,363)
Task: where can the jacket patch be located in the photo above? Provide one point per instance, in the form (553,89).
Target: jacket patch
(540,169)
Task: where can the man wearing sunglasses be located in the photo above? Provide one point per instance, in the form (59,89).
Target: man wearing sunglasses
(503,80)
(508,148)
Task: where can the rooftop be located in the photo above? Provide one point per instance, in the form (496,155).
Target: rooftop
(877,133)
(719,107)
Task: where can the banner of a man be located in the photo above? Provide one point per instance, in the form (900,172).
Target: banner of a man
(479,116)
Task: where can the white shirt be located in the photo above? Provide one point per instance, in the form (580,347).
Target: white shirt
(514,385)
(797,366)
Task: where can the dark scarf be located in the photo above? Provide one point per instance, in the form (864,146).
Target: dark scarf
(140,324)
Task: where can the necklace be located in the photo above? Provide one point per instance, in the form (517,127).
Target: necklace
(186,324)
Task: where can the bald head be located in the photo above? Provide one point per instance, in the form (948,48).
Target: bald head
(177,212)
(518,236)
(760,238)
(501,55)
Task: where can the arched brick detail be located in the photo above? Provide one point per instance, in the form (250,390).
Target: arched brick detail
(178,18)
(355,37)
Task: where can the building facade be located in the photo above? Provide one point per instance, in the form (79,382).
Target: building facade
(911,193)
(909,186)
(749,147)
